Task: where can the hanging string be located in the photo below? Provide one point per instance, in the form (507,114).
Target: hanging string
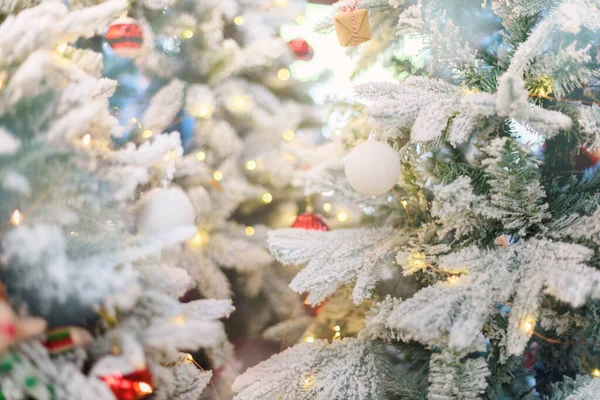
(351,9)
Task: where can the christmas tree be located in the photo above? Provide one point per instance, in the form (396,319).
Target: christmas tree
(116,236)
(475,274)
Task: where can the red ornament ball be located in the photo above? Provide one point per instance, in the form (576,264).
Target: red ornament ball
(585,159)
(301,49)
(310,222)
(125,37)
(132,386)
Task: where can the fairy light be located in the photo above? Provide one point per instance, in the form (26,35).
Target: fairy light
(87,138)
(239,103)
(327,207)
(280,3)
(204,110)
(288,135)
(144,388)
(337,335)
(147,134)
(284,74)
(239,20)
(171,154)
(342,217)
(180,320)
(200,156)
(249,231)
(309,381)
(16,218)
(134,121)
(309,339)
(328,193)
(337,132)
(200,238)
(300,19)
(596,373)
(62,48)
(217,175)
(404,203)
(528,327)
(337,328)
(188,34)
(453,279)
(251,165)
(267,197)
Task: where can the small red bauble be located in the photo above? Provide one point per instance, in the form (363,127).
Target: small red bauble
(301,49)
(584,160)
(133,386)
(311,222)
(125,37)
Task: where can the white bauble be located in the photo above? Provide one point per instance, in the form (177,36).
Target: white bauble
(372,168)
(163,209)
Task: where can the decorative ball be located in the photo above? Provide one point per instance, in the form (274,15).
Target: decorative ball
(301,49)
(163,209)
(133,386)
(310,222)
(584,159)
(372,168)
(125,37)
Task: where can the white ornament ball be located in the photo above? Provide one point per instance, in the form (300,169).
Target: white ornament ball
(163,209)
(372,168)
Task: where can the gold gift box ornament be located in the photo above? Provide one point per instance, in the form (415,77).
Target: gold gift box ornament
(352,26)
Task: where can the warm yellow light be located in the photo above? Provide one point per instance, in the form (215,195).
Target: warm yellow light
(528,327)
(300,19)
(327,207)
(61,48)
(200,238)
(171,154)
(204,110)
(16,218)
(200,156)
(251,165)
(288,135)
(189,357)
(337,132)
(404,203)
(337,335)
(267,197)
(180,320)
(284,74)
(239,20)
(342,217)
(87,138)
(281,3)
(328,193)
(239,103)
(310,339)
(147,134)
(144,388)
(134,121)
(453,279)
(337,328)
(217,175)
(188,33)
(249,231)
(596,373)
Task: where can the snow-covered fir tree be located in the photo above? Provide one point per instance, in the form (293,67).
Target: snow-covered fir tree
(477,275)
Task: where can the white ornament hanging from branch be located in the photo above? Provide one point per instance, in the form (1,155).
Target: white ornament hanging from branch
(372,167)
(163,209)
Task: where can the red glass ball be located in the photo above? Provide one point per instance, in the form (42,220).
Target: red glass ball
(311,222)
(133,386)
(125,37)
(301,49)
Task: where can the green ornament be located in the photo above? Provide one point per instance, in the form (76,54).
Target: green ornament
(31,381)
(6,366)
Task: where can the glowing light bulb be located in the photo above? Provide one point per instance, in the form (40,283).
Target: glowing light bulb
(337,328)
(251,165)
(239,103)
(249,231)
(204,111)
(239,20)
(404,203)
(284,74)
(180,320)
(171,154)
(267,197)
(87,138)
(62,48)
(596,373)
(217,175)
(327,207)
(528,327)
(310,339)
(280,3)
(147,134)
(16,218)
(337,335)
(200,238)
(200,156)
(337,132)
(288,135)
(328,193)
(188,34)
(300,19)
(144,388)
(342,217)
